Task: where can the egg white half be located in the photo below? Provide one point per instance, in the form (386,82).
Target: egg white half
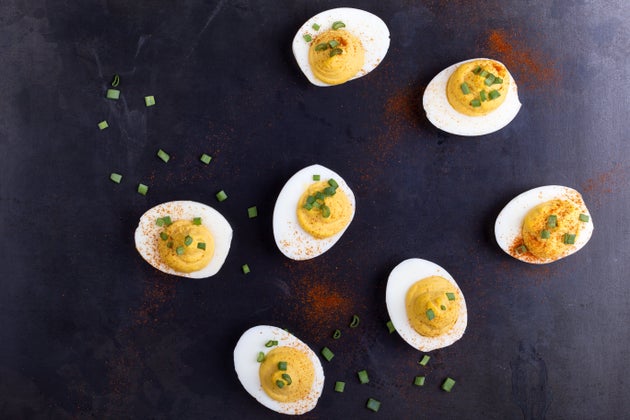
(291,239)
(442,114)
(147,234)
(509,224)
(245,353)
(369,28)
(402,277)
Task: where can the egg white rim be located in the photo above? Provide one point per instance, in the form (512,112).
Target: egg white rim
(442,115)
(509,223)
(399,283)
(291,235)
(247,367)
(148,231)
(372,31)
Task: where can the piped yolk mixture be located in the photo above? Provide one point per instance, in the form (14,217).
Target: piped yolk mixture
(324,210)
(432,306)
(185,246)
(478,87)
(286,374)
(336,56)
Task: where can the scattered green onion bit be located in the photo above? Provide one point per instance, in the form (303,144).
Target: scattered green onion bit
(103,125)
(390,327)
(287,378)
(142,189)
(418,381)
(335,51)
(448,384)
(252,212)
(261,357)
(115,177)
(477,70)
(333,43)
(167,220)
(442,307)
(316,177)
(221,195)
(340,386)
(179,250)
(373,404)
(328,355)
(307,38)
(321,47)
(112,94)
(338,24)
(325,211)
(245,269)
(494,94)
(425,359)
(483,73)
(498,81)
(196,221)
(584,217)
(545,234)
(116,80)
(521,249)
(271,343)
(282,365)
(333,183)
(169,245)
(355,321)
(279,383)
(188,240)
(201,245)
(315,26)
(149,100)
(475,103)
(337,334)
(205,158)
(552,221)
(483,96)
(363,376)
(489,79)
(163,155)
(465,88)
(430,314)
(450,295)
(164,236)
(568,238)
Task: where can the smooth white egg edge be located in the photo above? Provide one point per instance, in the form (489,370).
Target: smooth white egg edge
(247,367)
(442,115)
(509,223)
(287,229)
(402,277)
(148,231)
(371,29)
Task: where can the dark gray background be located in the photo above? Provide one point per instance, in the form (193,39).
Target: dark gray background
(89,330)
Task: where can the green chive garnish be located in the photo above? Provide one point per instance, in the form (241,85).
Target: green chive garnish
(418,381)
(340,386)
(325,211)
(271,343)
(188,240)
(483,73)
(475,103)
(335,51)
(261,357)
(442,307)
(333,183)
(430,314)
(307,38)
(167,220)
(320,196)
(552,221)
(246,269)
(279,383)
(112,94)
(282,365)
(545,234)
(310,199)
(337,334)
(333,43)
(450,296)
(498,80)
(205,158)
(494,94)
(328,355)
(115,177)
(568,238)
(287,378)
(373,404)
(252,212)
(477,70)
(316,177)
(164,236)
(483,96)
(363,376)
(321,47)
(355,321)
(169,245)
(201,245)
(584,217)
(315,27)
(221,196)
(425,359)
(142,189)
(196,221)
(103,125)
(339,24)
(116,80)
(390,327)
(521,249)
(149,100)
(489,79)
(179,250)
(448,384)
(163,155)
(465,88)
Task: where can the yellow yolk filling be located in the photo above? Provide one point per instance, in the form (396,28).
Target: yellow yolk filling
(333,68)
(478,77)
(430,310)
(537,220)
(313,220)
(298,379)
(177,253)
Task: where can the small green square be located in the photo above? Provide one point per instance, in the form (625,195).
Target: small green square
(584,217)
(340,386)
(245,269)
(142,189)
(373,404)
(390,327)
(307,38)
(112,94)
(363,376)
(418,381)
(103,125)
(163,155)
(425,360)
(221,196)
(316,26)
(316,177)
(149,100)
(205,158)
(252,212)
(448,384)
(115,177)
(328,355)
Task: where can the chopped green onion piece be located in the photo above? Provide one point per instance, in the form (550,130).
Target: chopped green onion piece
(442,307)
(316,177)
(450,296)
(112,94)
(494,94)
(319,196)
(164,236)
(316,205)
(325,211)
(340,386)
(483,73)
(333,43)
(363,376)
(521,249)
(373,404)
(307,38)
(321,47)
(552,221)
(116,80)
(338,24)
(308,206)
(167,220)
(245,269)
(310,199)
(221,195)
(355,321)
(475,103)
(315,26)
(483,96)
(545,234)
(498,80)
(205,158)
(465,88)
(430,314)
(489,79)
(287,378)
(337,334)
(252,212)
(179,250)
(279,383)
(328,355)
(584,217)
(330,191)
(149,100)
(159,221)
(163,155)
(169,245)
(196,221)
(271,343)
(115,177)
(103,125)
(568,238)
(261,357)
(448,384)
(335,51)
(201,245)
(390,327)
(333,183)
(418,381)
(477,70)
(142,189)
(282,365)
(188,240)
(425,359)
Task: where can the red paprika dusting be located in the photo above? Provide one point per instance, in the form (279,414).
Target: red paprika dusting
(605,183)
